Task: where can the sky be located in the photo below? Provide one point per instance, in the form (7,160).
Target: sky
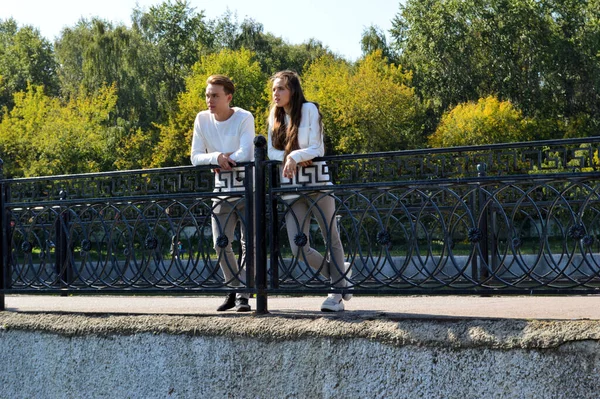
(338,24)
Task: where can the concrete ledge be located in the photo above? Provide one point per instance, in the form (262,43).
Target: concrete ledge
(455,333)
(357,354)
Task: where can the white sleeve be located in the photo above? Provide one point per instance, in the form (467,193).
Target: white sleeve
(246,151)
(316,146)
(274,154)
(199,155)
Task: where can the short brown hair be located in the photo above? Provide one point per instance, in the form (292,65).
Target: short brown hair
(221,80)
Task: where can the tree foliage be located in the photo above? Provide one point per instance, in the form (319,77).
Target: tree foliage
(368,107)
(95,54)
(472,71)
(541,55)
(43,136)
(175,33)
(25,58)
(487,121)
(272,52)
(373,39)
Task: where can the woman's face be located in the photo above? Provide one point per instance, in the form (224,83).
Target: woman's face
(281,93)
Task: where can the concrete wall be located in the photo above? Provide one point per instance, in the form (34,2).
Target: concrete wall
(62,356)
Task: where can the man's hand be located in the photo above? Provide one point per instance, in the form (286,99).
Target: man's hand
(305,163)
(225,162)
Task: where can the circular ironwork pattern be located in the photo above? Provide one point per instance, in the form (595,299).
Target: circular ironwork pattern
(587,240)
(300,240)
(151,243)
(86,245)
(576,232)
(399,237)
(474,235)
(383,238)
(26,247)
(222,241)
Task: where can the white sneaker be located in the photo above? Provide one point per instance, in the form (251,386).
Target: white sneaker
(347,296)
(333,303)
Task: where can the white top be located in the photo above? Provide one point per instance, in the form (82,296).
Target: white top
(311,143)
(310,137)
(211,138)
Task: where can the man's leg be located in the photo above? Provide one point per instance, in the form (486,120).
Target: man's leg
(224,221)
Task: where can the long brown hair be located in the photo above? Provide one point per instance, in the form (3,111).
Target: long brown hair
(285,137)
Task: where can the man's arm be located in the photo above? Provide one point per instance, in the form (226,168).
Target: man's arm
(199,154)
(246,151)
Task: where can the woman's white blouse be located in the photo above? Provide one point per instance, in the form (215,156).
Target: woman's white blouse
(310,136)
(310,141)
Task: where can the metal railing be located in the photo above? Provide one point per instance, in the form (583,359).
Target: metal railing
(497,219)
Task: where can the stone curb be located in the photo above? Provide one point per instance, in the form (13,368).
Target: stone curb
(498,334)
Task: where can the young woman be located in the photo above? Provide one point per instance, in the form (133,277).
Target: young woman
(295,138)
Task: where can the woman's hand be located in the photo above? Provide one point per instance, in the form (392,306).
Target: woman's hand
(289,169)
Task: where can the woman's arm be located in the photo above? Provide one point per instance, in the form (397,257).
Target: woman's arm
(316,146)
(274,154)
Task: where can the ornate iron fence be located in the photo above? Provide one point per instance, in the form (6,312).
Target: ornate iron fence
(497,219)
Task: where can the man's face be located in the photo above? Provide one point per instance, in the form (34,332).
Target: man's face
(216,99)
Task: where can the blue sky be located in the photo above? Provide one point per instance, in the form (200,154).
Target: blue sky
(336,23)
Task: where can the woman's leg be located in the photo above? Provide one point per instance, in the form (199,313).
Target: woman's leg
(324,210)
(297,219)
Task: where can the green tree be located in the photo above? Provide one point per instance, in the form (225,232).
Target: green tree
(373,39)
(541,55)
(272,52)
(43,136)
(487,121)
(176,136)
(368,107)
(177,34)
(95,54)
(25,58)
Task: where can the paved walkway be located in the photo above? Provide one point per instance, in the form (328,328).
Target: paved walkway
(521,307)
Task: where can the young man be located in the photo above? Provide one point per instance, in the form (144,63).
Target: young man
(224,136)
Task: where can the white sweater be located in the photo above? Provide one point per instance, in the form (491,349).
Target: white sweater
(310,141)
(310,137)
(211,138)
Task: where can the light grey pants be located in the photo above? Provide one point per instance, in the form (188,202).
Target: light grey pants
(226,216)
(297,219)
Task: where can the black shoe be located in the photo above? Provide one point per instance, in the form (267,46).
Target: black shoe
(229,303)
(241,305)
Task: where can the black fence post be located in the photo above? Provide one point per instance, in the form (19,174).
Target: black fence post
(273,227)
(3,267)
(260,216)
(64,268)
(250,230)
(483,227)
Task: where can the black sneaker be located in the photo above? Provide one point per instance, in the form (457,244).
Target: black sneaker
(241,305)
(229,303)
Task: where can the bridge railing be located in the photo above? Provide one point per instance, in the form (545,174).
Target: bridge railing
(506,218)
